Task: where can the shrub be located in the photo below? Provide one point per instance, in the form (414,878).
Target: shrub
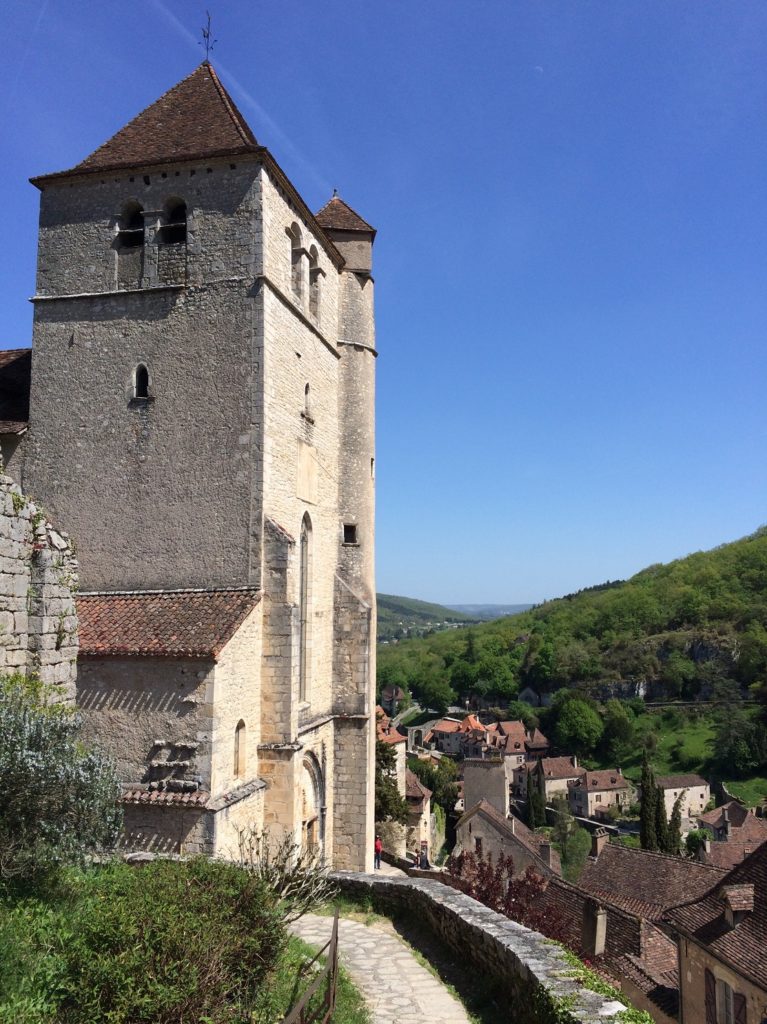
(168,943)
(59,798)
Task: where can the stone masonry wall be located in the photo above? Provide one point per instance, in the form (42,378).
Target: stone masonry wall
(527,968)
(38,575)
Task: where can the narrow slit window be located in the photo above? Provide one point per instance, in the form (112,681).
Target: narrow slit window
(296,260)
(314,283)
(240,751)
(141,384)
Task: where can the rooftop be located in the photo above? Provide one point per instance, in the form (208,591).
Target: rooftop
(743,945)
(514,829)
(338,215)
(599,782)
(15,377)
(167,623)
(560,768)
(680,781)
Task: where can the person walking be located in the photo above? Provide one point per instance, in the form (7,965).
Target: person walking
(377,848)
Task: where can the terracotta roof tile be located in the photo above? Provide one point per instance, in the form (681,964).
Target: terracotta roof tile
(384,731)
(339,215)
(196,118)
(414,788)
(15,378)
(599,782)
(680,781)
(645,883)
(515,830)
(164,798)
(560,768)
(728,854)
(180,623)
(744,946)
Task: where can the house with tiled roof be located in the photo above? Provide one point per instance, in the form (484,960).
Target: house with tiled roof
(722,942)
(693,792)
(418,799)
(554,774)
(733,832)
(594,793)
(199,419)
(483,829)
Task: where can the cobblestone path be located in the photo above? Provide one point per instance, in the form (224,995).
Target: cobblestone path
(397,989)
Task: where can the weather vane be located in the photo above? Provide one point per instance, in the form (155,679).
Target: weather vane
(207,38)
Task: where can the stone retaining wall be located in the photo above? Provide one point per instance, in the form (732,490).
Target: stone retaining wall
(528,969)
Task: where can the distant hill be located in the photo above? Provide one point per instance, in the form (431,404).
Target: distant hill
(400,617)
(485,612)
(687,629)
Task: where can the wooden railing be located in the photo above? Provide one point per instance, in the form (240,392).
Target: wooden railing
(303,1012)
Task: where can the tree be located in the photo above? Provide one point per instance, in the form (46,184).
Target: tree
(390,805)
(571,840)
(618,728)
(536,807)
(60,797)
(674,837)
(579,727)
(647,816)
(694,840)
(661,821)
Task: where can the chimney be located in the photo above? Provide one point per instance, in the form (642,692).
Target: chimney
(727,822)
(575,761)
(619,771)
(599,840)
(593,928)
(544,852)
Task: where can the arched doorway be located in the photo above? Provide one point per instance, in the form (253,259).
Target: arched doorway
(312,807)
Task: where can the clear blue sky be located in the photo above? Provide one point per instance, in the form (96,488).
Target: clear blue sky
(570,266)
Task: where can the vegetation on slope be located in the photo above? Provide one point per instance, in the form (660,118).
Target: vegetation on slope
(404,616)
(686,629)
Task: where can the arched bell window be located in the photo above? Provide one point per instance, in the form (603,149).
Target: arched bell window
(296,264)
(173,227)
(314,282)
(130,231)
(304,602)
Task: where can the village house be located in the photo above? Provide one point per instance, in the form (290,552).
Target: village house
(393,834)
(694,791)
(419,812)
(484,830)
(200,418)
(554,774)
(734,832)
(722,943)
(594,793)
(445,735)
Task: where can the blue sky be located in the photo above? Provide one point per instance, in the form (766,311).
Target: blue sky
(570,266)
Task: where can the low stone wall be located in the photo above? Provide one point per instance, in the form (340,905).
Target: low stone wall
(528,969)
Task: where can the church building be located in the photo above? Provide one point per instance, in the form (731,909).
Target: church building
(201,423)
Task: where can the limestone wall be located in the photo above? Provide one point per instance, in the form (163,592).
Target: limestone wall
(523,965)
(38,576)
(694,960)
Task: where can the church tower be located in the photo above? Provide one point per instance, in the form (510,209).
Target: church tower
(202,424)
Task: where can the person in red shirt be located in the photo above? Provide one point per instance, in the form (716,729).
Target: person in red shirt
(377,853)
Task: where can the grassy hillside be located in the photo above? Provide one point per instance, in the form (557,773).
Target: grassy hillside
(404,616)
(687,629)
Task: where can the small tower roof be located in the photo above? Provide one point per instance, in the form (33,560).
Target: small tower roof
(195,119)
(338,215)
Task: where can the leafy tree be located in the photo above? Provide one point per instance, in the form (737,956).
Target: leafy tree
(440,778)
(579,727)
(619,729)
(571,840)
(647,816)
(59,797)
(390,805)
(694,840)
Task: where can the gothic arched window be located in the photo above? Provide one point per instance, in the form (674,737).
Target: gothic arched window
(304,605)
(314,283)
(296,254)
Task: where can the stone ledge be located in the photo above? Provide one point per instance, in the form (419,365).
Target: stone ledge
(529,968)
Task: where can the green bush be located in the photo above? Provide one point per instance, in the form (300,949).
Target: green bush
(168,943)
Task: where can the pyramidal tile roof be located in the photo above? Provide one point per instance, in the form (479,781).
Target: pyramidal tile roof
(339,215)
(195,119)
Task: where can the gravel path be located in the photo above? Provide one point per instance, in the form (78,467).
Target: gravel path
(395,986)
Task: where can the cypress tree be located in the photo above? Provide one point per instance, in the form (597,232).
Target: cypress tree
(532,803)
(661,821)
(674,839)
(647,818)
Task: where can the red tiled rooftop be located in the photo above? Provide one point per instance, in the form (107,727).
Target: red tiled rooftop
(195,119)
(164,798)
(560,768)
(680,781)
(339,215)
(180,623)
(601,781)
